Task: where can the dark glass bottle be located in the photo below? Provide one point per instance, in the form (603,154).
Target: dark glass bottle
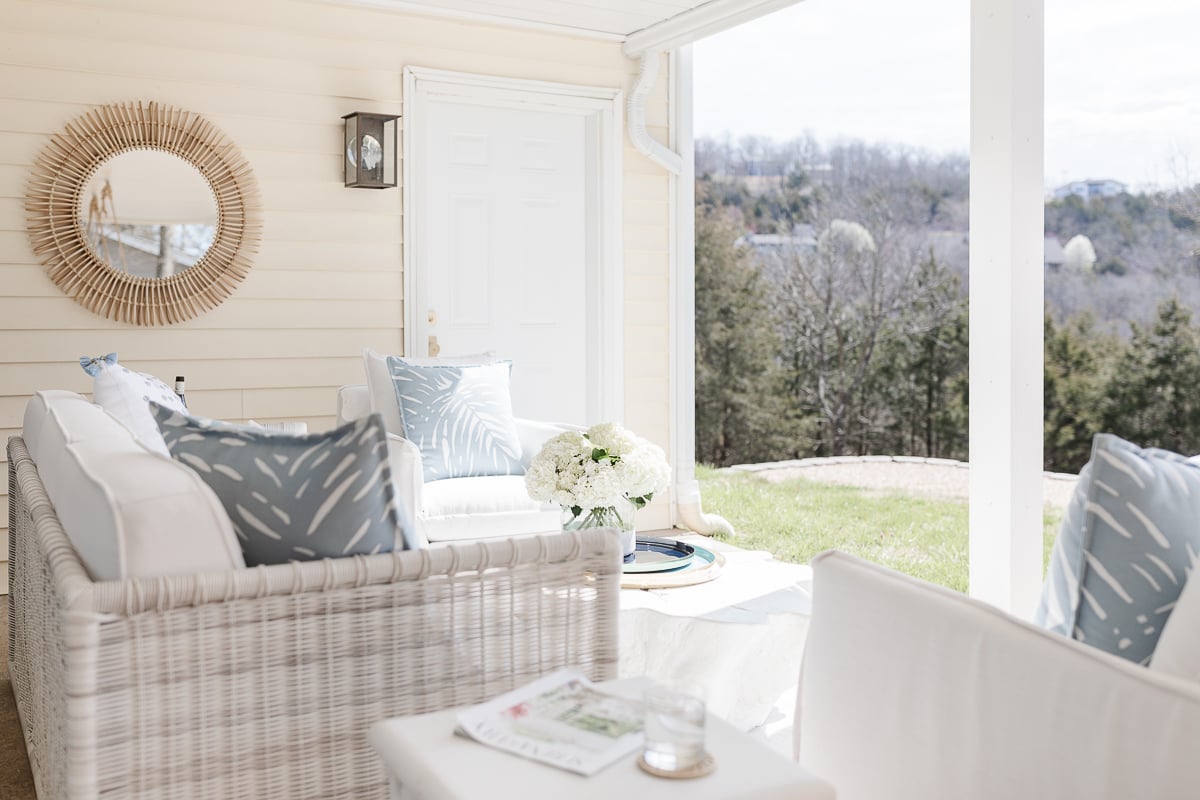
(180,390)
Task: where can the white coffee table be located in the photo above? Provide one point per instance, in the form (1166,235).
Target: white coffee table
(739,636)
(426,761)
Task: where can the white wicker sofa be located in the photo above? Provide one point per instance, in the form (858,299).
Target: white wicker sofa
(262,683)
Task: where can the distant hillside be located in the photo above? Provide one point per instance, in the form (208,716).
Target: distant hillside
(776,192)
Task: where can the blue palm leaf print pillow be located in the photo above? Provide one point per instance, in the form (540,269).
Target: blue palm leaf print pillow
(459,417)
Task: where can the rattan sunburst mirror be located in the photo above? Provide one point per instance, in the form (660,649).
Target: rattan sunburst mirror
(153,267)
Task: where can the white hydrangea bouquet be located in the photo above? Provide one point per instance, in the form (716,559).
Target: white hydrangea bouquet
(599,477)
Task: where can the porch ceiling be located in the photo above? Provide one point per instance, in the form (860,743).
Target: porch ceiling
(641,24)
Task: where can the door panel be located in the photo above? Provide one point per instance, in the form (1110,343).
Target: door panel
(503,260)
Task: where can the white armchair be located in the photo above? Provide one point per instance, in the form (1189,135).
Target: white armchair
(461,509)
(909,690)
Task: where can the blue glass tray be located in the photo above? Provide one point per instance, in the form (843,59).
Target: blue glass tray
(652,554)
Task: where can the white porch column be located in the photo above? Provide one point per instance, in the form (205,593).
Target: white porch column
(1006,219)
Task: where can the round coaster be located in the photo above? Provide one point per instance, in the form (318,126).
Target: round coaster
(705,767)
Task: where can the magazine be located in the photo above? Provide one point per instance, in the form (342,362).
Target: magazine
(561,719)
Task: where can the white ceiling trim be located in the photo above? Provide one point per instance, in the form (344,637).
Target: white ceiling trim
(428,9)
(671,32)
(703,20)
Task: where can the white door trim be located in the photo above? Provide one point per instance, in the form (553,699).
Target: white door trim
(601,109)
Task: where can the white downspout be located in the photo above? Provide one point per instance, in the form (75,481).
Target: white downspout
(663,156)
(688,513)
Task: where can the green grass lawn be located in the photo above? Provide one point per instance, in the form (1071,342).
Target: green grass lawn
(796,519)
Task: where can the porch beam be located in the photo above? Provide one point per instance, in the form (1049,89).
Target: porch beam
(1006,305)
(695,23)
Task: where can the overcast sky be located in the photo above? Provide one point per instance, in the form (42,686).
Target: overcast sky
(1122,81)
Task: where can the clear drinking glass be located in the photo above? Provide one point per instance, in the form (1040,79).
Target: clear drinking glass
(674,728)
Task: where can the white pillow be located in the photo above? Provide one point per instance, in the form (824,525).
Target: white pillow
(127,394)
(1178,649)
(383,391)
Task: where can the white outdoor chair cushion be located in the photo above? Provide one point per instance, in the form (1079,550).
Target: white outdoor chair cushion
(911,691)
(129,512)
(472,527)
(480,495)
(1178,649)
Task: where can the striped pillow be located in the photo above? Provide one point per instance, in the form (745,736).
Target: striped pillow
(1128,538)
(296,497)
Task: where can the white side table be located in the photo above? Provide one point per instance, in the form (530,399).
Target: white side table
(426,761)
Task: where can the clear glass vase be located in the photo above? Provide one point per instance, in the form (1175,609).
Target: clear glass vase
(620,515)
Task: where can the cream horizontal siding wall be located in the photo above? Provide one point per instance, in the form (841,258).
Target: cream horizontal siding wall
(276,76)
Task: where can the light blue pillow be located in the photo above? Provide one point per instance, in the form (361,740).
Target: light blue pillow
(296,497)
(459,417)
(1129,535)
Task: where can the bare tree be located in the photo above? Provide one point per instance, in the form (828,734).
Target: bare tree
(836,304)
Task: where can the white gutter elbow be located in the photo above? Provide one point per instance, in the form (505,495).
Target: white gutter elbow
(665,157)
(692,517)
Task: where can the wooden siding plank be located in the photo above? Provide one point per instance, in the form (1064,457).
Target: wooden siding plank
(266,283)
(242,373)
(184,345)
(62,313)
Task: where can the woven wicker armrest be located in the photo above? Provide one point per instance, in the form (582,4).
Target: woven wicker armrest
(263,682)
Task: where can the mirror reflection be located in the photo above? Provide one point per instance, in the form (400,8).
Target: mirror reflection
(148,213)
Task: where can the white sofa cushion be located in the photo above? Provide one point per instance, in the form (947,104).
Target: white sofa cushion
(129,512)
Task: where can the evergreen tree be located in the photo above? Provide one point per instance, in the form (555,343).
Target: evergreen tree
(740,414)
(1154,392)
(1076,368)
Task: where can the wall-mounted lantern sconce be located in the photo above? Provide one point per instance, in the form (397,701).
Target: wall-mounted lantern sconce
(371,150)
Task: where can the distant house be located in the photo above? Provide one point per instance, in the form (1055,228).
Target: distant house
(1054,256)
(1090,188)
(803,238)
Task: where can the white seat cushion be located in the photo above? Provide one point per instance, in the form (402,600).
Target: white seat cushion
(484,494)
(483,507)
(470,527)
(129,512)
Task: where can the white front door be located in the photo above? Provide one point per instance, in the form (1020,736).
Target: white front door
(502,253)
(511,235)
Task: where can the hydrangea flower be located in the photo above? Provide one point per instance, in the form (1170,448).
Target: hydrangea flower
(596,468)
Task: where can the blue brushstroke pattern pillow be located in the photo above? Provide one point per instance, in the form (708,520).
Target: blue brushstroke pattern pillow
(459,417)
(296,497)
(1128,538)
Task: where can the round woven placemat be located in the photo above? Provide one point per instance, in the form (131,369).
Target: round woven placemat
(667,580)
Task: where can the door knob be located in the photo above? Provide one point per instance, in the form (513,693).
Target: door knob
(434,347)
